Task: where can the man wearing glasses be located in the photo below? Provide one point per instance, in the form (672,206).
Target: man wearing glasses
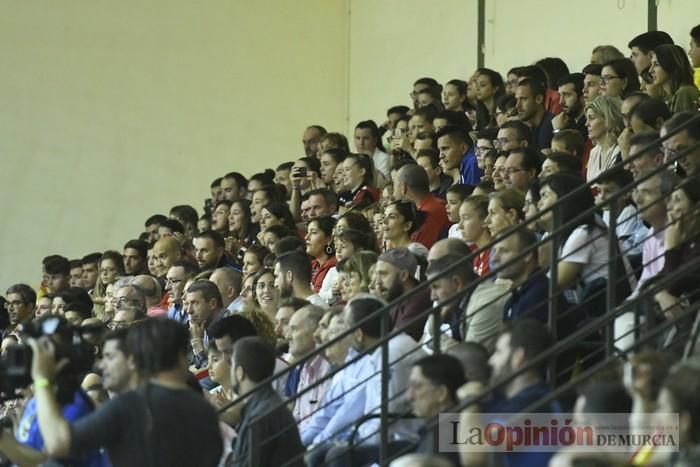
(687,139)
(129,304)
(20,303)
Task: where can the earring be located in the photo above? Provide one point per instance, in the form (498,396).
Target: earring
(329,250)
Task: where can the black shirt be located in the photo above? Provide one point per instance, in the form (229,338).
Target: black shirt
(276,434)
(152,426)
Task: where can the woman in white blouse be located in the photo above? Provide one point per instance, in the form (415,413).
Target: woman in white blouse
(604,123)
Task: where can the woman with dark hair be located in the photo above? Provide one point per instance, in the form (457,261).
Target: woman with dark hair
(672,74)
(454,96)
(555,68)
(489,87)
(682,240)
(319,245)
(219,217)
(359,223)
(330,159)
(242,231)
(261,179)
(358,173)
(274,233)
(584,252)
(265,293)
(401,219)
(619,78)
(276,213)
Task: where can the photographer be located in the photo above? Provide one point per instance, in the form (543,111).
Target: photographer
(144,427)
(71,401)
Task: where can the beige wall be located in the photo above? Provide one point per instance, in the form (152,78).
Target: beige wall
(394,42)
(112,111)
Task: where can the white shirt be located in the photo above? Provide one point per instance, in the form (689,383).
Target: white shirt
(382,162)
(454,232)
(599,162)
(316,299)
(589,247)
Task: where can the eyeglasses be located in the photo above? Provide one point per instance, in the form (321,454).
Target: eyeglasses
(607,79)
(15,304)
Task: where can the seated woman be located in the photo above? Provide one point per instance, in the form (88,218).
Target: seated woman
(274,233)
(242,232)
(319,245)
(275,213)
(253,259)
(359,180)
(604,122)
(401,219)
(682,246)
(505,210)
(265,293)
(583,253)
(672,74)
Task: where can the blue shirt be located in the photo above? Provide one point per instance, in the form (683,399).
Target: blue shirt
(28,432)
(469,170)
(176,313)
(529,300)
(290,389)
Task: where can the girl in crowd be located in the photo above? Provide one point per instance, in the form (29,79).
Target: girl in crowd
(110,268)
(489,87)
(242,232)
(334,140)
(330,159)
(359,180)
(619,78)
(219,217)
(275,213)
(265,293)
(673,76)
(274,233)
(505,210)
(319,245)
(401,219)
(247,293)
(253,259)
(454,96)
(472,224)
(604,123)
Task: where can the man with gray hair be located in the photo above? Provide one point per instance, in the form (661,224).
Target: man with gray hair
(300,334)
(130,304)
(204,308)
(650,197)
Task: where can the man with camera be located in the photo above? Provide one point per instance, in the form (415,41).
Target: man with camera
(27,447)
(144,427)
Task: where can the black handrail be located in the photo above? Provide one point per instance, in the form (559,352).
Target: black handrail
(510,231)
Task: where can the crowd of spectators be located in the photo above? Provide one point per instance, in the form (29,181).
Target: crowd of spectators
(479,187)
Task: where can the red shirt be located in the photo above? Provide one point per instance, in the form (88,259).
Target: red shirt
(480,261)
(436,223)
(318,272)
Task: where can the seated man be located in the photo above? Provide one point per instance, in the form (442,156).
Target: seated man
(300,335)
(472,314)
(253,362)
(519,343)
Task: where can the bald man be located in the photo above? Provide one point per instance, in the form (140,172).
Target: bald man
(228,280)
(446,246)
(154,295)
(165,252)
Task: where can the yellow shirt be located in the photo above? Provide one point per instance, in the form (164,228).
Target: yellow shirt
(697,78)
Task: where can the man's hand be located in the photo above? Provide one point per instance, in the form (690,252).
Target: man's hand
(196,330)
(43,358)
(560,121)
(470,389)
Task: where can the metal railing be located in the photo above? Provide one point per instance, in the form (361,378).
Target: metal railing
(554,296)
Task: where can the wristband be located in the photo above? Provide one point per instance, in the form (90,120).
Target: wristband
(42,383)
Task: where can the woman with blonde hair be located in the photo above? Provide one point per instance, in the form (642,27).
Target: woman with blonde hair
(356,273)
(604,123)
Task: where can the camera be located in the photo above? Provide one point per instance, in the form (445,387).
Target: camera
(16,364)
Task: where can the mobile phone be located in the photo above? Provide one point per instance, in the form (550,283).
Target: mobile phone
(301,172)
